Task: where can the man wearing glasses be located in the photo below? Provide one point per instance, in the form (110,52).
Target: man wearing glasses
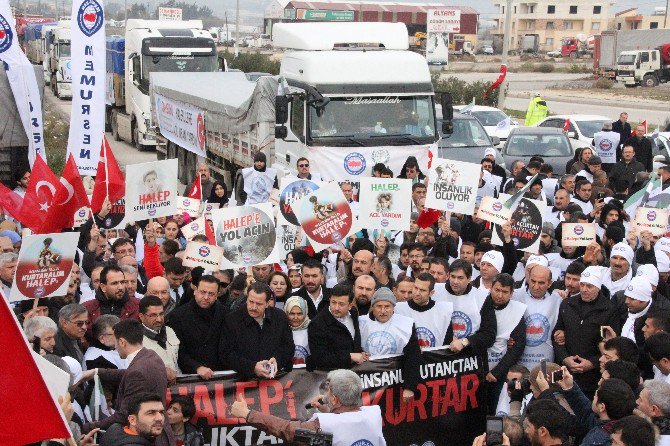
(303,170)
(72,325)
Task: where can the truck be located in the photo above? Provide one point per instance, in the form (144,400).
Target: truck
(59,59)
(529,43)
(150,46)
(647,68)
(338,83)
(577,47)
(610,44)
(33,37)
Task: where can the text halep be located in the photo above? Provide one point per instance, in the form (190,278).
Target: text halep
(154,197)
(240,222)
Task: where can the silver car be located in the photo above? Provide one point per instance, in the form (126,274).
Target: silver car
(468,142)
(551,144)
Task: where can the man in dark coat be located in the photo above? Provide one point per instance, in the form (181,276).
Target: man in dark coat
(72,322)
(622,127)
(627,168)
(199,325)
(258,341)
(313,289)
(334,335)
(642,146)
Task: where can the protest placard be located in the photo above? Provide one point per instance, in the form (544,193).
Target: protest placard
(287,236)
(247,235)
(81,215)
(293,189)
(653,220)
(151,189)
(493,209)
(578,234)
(45,262)
(453,186)
(194,228)
(385,203)
(202,254)
(526,223)
(325,216)
(116,218)
(207,208)
(189,205)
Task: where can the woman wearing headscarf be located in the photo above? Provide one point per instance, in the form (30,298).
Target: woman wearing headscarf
(296,311)
(219,194)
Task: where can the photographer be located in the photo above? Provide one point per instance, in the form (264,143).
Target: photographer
(341,415)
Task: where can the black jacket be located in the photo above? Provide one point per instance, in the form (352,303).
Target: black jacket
(624,131)
(246,343)
(330,343)
(199,332)
(643,152)
(117,436)
(626,171)
(581,322)
(66,346)
(312,310)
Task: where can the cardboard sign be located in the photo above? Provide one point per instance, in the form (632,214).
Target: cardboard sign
(653,220)
(81,216)
(189,205)
(202,254)
(207,208)
(292,190)
(247,235)
(578,234)
(194,228)
(526,223)
(116,217)
(493,210)
(453,186)
(386,203)
(325,216)
(287,236)
(45,262)
(151,190)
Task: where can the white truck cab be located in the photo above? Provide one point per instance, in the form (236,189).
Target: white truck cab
(642,67)
(60,60)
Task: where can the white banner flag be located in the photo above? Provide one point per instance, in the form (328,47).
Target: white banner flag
(22,80)
(87,121)
(182,124)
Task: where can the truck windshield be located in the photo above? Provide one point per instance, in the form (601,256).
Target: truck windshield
(627,59)
(375,118)
(191,63)
(64,49)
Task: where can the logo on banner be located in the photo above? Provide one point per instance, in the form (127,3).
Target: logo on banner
(195,226)
(187,202)
(6,35)
(605,145)
(450,204)
(537,330)
(381,156)
(384,222)
(651,215)
(361,443)
(300,355)
(426,337)
(461,324)
(39,292)
(90,17)
(82,212)
(204,251)
(152,212)
(201,131)
(579,230)
(497,206)
(354,163)
(381,343)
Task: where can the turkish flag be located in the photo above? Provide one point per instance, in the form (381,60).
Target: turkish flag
(30,414)
(209,232)
(428,217)
(196,189)
(113,187)
(10,201)
(566,125)
(39,195)
(69,198)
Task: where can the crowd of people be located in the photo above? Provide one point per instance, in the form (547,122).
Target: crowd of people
(597,318)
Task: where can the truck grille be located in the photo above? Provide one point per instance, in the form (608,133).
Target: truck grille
(625,73)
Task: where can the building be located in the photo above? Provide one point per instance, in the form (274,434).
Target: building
(553,20)
(411,14)
(630,19)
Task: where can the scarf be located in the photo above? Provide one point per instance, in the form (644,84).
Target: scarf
(628,330)
(663,425)
(160,337)
(297,301)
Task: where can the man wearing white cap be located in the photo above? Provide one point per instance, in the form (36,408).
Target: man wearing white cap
(579,320)
(640,300)
(530,263)
(498,173)
(618,275)
(490,266)
(383,332)
(541,316)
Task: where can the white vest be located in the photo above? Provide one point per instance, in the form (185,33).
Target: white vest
(258,185)
(167,354)
(362,428)
(606,144)
(301,346)
(506,321)
(110,355)
(618,285)
(465,320)
(541,316)
(389,338)
(431,325)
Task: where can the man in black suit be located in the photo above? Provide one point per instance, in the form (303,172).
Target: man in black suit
(334,335)
(258,341)
(313,290)
(199,324)
(622,127)
(145,373)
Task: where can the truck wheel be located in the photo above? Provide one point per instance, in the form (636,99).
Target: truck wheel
(115,127)
(649,81)
(573,55)
(136,138)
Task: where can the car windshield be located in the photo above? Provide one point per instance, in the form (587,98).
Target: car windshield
(627,59)
(589,128)
(190,63)
(543,145)
(467,133)
(489,117)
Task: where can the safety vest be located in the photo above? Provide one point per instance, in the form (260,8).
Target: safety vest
(537,111)
(431,325)
(363,427)
(541,316)
(389,338)
(466,318)
(506,321)
(258,185)
(606,144)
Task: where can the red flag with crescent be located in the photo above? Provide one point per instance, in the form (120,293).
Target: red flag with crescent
(39,195)
(69,198)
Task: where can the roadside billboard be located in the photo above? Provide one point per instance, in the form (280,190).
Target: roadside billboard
(440,22)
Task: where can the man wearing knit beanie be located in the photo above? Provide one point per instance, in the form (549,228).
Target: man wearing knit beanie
(255,184)
(385,333)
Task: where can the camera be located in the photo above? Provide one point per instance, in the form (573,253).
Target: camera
(556,376)
(311,438)
(525,385)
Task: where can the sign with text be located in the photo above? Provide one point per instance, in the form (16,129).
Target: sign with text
(189,205)
(443,20)
(151,190)
(653,220)
(116,218)
(493,209)
(526,224)
(288,236)
(196,227)
(202,254)
(45,262)
(293,189)
(578,234)
(173,14)
(182,124)
(385,203)
(453,186)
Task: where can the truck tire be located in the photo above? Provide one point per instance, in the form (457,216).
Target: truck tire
(136,138)
(649,81)
(115,127)
(573,55)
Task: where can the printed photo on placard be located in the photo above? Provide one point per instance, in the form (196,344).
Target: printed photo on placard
(287,236)
(151,190)
(653,220)
(325,216)
(526,223)
(44,266)
(293,189)
(202,254)
(385,203)
(578,234)
(189,205)
(247,235)
(453,186)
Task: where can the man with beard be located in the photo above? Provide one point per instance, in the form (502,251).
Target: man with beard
(582,197)
(546,423)
(313,290)
(642,146)
(146,421)
(364,288)
(555,214)
(361,265)
(157,336)
(569,286)
(254,184)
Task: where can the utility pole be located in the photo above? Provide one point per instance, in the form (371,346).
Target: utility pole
(125,8)
(237,29)
(506,38)
(665,21)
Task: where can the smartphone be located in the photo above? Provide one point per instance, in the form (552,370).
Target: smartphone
(600,195)
(543,367)
(494,431)
(556,376)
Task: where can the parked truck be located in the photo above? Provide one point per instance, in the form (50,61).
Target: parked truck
(60,75)
(150,46)
(610,44)
(339,84)
(529,43)
(577,47)
(33,37)
(647,68)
